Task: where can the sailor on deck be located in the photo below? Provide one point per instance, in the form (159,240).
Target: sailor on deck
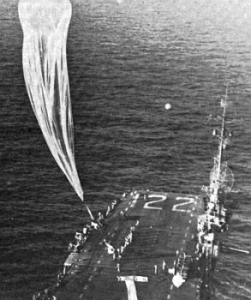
(118,267)
(127,241)
(122,215)
(163,265)
(108,210)
(114,202)
(118,254)
(110,248)
(123,196)
(155,269)
(74,247)
(208,243)
(130,237)
(86,229)
(134,196)
(78,236)
(100,217)
(94,225)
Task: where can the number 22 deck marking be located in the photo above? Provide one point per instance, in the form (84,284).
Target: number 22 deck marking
(176,207)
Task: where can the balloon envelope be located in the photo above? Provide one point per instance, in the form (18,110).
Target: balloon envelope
(45,27)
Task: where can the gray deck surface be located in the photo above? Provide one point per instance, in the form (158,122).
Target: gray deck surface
(166,228)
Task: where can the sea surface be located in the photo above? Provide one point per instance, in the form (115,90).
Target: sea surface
(126,60)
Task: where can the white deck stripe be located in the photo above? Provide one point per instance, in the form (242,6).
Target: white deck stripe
(131,289)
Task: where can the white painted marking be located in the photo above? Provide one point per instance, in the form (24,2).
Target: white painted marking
(99,261)
(171,287)
(190,221)
(168,296)
(131,290)
(187,200)
(135,278)
(90,278)
(130,284)
(95,269)
(126,209)
(162,198)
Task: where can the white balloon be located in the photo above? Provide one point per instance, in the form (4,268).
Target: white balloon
(45,26)
(168,106)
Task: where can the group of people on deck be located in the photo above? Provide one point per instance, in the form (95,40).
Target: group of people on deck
(212,222)
(80,238)
(82,235)
(117,252)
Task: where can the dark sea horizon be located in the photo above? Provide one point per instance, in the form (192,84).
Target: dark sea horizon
(125,62)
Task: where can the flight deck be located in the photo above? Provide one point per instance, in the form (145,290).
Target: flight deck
(135,251)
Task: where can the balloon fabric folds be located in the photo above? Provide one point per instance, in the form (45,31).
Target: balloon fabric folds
(45,26)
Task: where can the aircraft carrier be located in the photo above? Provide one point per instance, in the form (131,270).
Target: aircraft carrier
(150,245)
(135,251)
(147,244)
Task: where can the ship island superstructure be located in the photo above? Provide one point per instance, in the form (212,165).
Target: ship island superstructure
(214,221)
(150,245)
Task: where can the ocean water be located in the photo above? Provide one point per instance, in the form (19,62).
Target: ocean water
(126,61)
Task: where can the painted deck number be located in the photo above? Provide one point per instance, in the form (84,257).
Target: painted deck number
(186,201)
(148,204)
